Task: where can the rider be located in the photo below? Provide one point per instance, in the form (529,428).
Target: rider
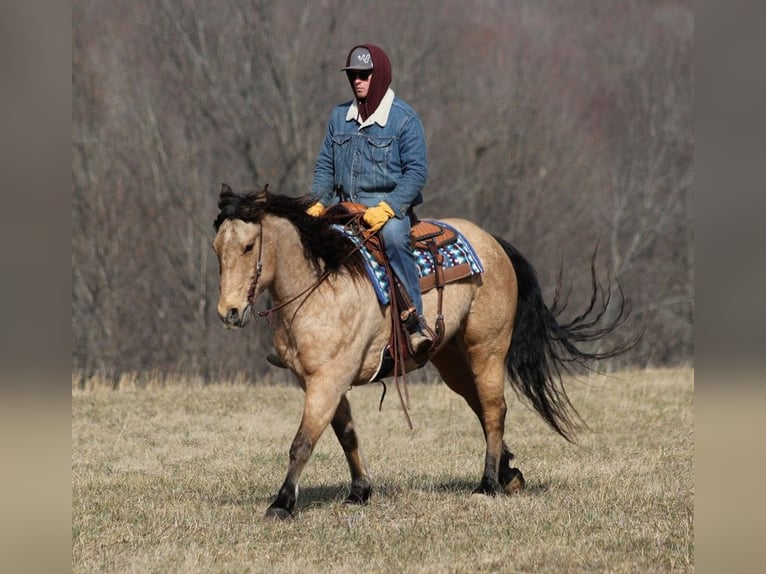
(374,153)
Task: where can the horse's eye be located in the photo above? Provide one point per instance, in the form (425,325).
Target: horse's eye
(248,248)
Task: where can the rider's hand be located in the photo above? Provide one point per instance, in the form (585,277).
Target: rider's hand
(315,210)
(376,217)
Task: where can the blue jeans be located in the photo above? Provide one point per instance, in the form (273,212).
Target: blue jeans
(396,238)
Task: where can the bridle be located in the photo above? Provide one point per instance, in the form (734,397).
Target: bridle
(256,275)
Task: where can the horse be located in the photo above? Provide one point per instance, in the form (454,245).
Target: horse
(329,329)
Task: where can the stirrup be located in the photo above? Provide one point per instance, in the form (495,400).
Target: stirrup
(419,342)
(420,338)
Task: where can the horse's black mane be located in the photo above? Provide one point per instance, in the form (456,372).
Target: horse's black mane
(323,244)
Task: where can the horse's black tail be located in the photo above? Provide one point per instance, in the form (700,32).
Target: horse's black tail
(542,349)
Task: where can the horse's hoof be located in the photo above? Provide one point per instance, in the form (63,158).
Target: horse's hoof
(513,481)
(359,495)
(488,488)
(278,513)
(274,359)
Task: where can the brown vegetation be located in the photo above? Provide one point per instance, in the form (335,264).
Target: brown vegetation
(176,477)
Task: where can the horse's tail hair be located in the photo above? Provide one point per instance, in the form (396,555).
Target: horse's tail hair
(542,349)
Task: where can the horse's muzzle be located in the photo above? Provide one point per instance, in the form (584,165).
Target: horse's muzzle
(233,319)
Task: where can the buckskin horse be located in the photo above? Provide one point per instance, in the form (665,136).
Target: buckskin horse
(330,330)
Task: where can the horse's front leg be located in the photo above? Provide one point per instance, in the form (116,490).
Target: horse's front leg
(320,404)
(343,425)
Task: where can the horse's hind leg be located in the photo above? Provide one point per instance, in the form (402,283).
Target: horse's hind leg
(483,390)
(343,425)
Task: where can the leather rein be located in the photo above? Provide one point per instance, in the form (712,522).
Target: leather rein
(354,222)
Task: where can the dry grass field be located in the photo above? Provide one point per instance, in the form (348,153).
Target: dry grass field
(177,479)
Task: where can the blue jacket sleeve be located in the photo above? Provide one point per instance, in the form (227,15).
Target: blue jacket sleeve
(324,170)
(412,153)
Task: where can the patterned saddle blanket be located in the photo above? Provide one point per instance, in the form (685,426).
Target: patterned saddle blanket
(459,260)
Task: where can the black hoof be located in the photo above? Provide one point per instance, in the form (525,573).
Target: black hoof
(275,360)
(512,480)
(488,488)
(358,495)
(278,513)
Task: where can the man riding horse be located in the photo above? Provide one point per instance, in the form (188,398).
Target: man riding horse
(374,154)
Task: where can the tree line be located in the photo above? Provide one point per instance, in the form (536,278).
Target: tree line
(560,126)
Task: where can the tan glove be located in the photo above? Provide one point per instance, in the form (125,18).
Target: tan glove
(376,217)
(315,210)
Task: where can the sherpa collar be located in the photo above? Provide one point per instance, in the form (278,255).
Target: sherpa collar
(379,116)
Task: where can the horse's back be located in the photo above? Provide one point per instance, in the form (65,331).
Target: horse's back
(486,302)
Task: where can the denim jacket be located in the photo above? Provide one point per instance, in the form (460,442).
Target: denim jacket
(381,159)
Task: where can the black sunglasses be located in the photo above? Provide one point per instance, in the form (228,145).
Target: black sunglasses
(361,74)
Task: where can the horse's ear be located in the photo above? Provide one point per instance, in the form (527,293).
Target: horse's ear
(263,194)
(225,188)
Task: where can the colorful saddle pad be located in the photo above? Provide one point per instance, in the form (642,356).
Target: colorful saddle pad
(459,261)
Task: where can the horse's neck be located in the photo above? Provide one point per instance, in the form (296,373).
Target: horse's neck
(293,272)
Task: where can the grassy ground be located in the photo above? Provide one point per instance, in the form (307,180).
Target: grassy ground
(177,479)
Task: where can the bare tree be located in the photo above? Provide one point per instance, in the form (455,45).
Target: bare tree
(553,124)
(647,190)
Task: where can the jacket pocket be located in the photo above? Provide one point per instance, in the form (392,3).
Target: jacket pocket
(379,149)
(340,140)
